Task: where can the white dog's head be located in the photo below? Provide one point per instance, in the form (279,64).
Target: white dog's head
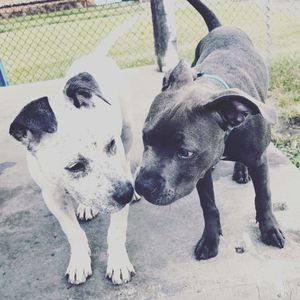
(75,142)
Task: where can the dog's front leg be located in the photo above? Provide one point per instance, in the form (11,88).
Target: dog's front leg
(270,231)
(62,208)
(208,245)
(119,268)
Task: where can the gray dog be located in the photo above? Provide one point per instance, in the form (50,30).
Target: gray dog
(212,111)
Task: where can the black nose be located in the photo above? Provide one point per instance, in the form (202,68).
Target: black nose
(149,184)
(123,193)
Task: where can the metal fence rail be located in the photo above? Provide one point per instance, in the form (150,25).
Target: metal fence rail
(40,39)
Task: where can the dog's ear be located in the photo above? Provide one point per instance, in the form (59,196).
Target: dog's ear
(179,76)
(81,88)
(34,120)
(233,106)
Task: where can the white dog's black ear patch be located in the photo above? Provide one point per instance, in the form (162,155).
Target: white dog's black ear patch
(35,119)
(80,89)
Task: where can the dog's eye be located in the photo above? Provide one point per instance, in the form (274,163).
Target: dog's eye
(184,153)
(76,167)
(111,147)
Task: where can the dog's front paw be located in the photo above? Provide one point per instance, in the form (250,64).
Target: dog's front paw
(240,173)
(271,233)
(79,268)
(85,213)
(119,268)
(207,247)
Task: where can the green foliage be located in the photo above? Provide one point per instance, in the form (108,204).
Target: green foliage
(291,148)
(41,47)
(285,95)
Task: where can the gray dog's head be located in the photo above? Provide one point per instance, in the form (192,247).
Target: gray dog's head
(74,145)
(184,133)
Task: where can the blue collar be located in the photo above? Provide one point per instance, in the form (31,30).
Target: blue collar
(226,86)
(215,77)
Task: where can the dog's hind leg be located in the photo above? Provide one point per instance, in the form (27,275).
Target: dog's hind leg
(208,245)
(240,173)
(62,208)
(270,231)
(119,268)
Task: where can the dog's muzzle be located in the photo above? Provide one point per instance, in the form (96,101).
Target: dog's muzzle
(149,185)
(123,193)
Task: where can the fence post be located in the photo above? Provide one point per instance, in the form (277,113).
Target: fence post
(3,79)
(164,30)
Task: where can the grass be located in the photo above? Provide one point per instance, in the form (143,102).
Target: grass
(41,47)
(284,94)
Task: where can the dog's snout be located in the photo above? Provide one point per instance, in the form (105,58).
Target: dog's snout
(123,193)
(148,184)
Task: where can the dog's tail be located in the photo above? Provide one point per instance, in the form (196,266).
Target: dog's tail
(209,17)
(107,43)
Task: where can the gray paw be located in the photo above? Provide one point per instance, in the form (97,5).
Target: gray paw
(270,231)
(271,234)
(240,173)
(207,247)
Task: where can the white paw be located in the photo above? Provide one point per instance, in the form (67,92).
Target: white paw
(119,269)
(79,268)
(85,213)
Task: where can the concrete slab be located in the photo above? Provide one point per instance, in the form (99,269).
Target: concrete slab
(34,251)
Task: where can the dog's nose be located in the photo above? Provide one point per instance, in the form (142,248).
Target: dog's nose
(147,185)
(123,193)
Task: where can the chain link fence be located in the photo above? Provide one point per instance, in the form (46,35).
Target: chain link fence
(39,39)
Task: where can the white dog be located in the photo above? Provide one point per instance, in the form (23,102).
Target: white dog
(77,146)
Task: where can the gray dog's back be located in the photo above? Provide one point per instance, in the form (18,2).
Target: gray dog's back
(228,53)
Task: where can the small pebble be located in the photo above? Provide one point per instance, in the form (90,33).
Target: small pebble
(243,245)
(239,249)
(279,206)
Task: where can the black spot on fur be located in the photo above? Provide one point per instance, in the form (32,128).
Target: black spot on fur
(80,89)
(37,117)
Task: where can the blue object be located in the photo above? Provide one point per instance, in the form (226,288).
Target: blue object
(215,77)
(3,79)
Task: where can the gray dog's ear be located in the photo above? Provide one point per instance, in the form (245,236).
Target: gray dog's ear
(234,105)
(34,120)
(81,88)
(179,76)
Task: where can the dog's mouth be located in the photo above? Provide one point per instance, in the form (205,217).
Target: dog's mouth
(164,197)
(103,208)
(111,203)
(154,190)
(106,209)
(159,198)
